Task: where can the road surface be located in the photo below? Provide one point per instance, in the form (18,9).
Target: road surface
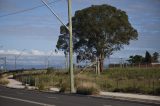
(20,97)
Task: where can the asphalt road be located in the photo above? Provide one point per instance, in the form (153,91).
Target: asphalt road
(17,97)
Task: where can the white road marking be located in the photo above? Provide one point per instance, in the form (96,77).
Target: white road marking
(107,105)
(28,101)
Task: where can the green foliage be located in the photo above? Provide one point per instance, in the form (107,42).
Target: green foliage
(131,80)
(31,81)
(155,57)
(97,32)
(148,57)
(41,86)
(137,59)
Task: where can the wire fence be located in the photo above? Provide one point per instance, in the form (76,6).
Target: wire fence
(59,62)
(29,62)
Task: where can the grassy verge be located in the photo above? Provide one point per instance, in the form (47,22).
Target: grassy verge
(3,81)
(130,80)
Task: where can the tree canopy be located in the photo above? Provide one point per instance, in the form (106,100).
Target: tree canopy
(137,59)
(98,31)
(148,58)
(155,57)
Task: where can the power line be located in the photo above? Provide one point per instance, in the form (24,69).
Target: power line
(25,10)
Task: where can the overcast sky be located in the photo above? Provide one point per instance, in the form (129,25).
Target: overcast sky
(37,30)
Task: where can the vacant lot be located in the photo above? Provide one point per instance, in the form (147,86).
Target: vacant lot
(132,80)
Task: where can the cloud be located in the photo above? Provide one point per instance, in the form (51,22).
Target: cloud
(138,49)
(30,29)
(37,52)
(30,53)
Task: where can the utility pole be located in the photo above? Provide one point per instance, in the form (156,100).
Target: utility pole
(70,47)
(47,60)
(16,57)
(70,41)
(5,60)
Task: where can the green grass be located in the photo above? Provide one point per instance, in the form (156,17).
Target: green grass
(134,80)
(44,79)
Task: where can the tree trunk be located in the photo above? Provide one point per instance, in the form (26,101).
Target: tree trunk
(101,65)
(101,60)
(98,66)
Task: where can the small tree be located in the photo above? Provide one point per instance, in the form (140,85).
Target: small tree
(155,57)
(62,44)
(137,59)
(148,58)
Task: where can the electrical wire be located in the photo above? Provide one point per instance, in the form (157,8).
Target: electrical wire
(25,10)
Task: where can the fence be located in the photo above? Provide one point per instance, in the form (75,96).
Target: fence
(123,80)
(123,63)
(3,66)
(29,62)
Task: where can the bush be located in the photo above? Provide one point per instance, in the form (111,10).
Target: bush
(41,86)
(63,88)
(31,81)
(64,85)
(4,82)
(87,88)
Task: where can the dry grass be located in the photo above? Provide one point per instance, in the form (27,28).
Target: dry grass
(132,80)
(87,88)
(3,81)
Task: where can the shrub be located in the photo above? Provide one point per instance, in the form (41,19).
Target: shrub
(41,86)
(63,88)
(87,88)
(64,85)
(4,82)
(31,81)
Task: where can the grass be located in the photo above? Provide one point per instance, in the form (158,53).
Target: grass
(131,80)
(87,88)
(43,79)
(3,81)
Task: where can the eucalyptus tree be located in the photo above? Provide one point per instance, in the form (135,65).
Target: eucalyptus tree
(63,44)
(100,30)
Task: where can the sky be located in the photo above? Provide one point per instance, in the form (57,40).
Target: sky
(37,30)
